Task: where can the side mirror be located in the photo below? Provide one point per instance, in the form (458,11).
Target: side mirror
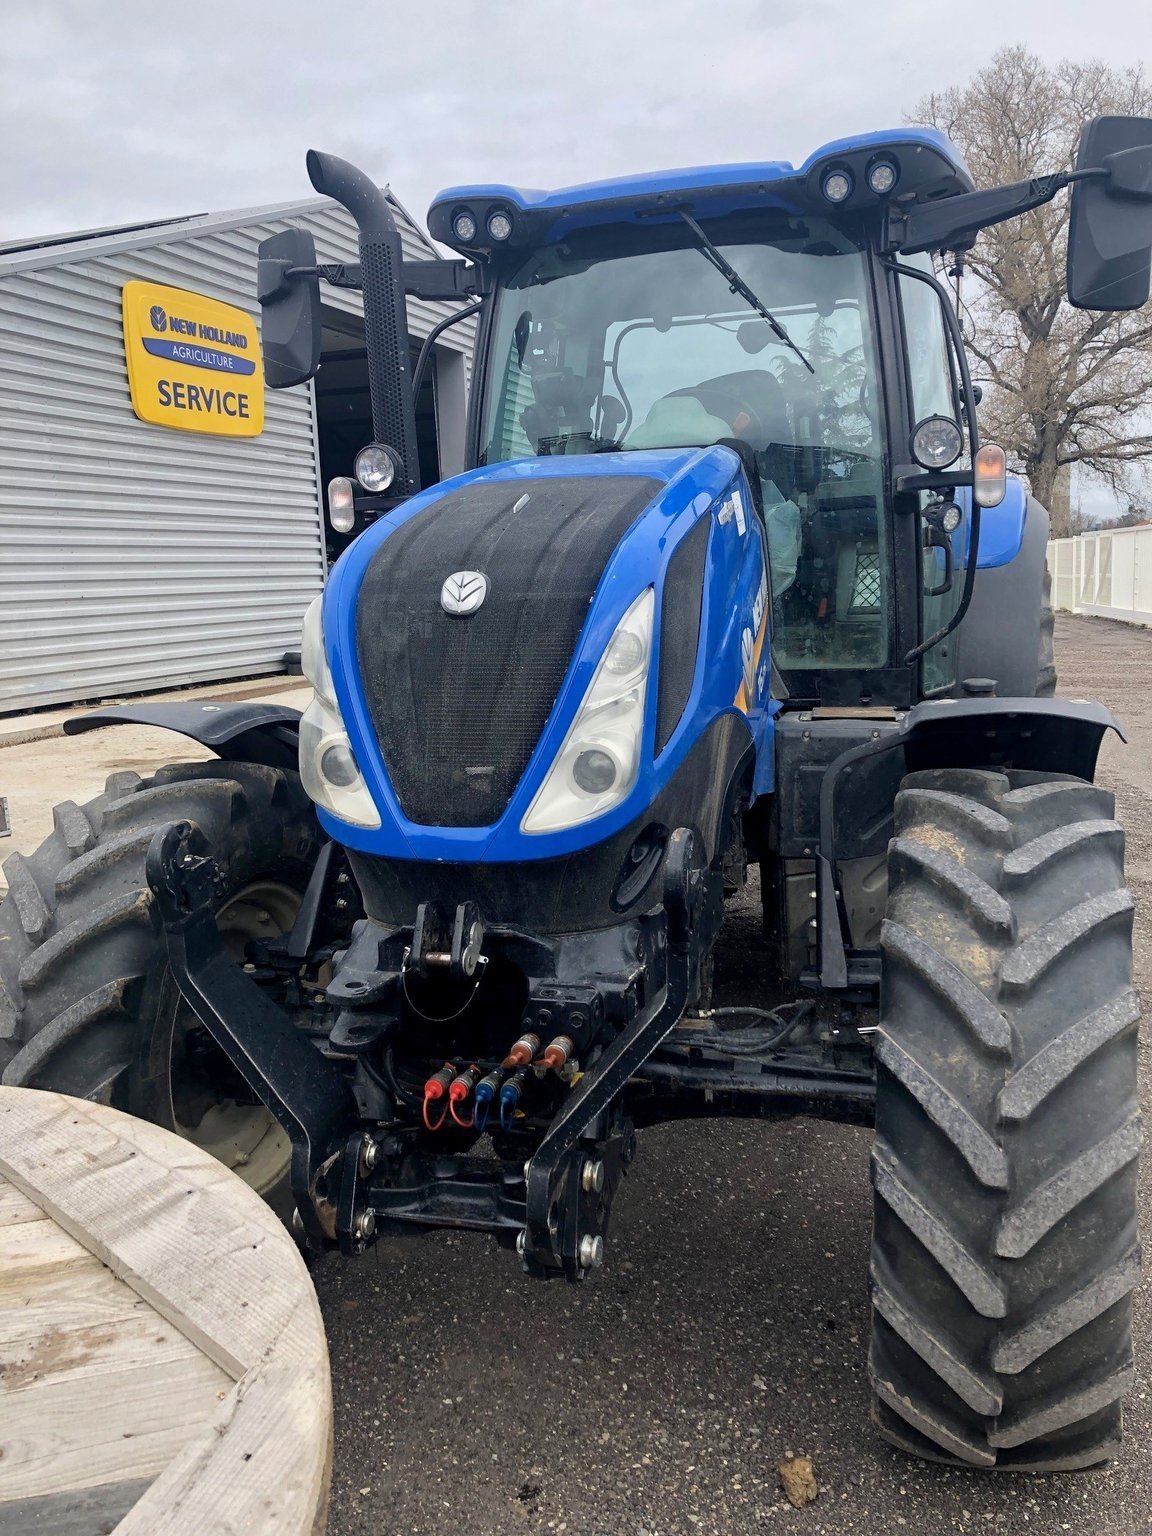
(1110,233)
(290,305)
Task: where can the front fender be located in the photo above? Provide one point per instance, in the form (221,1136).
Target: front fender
(241,732)
(1046,735)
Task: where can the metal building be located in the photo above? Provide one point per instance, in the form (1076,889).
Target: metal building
(134,556)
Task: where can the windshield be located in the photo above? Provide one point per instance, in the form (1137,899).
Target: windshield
(649,348)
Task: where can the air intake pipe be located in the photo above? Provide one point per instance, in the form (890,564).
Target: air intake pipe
(385,311)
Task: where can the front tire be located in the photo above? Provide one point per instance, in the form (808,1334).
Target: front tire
(1005,1246)
(87,1003)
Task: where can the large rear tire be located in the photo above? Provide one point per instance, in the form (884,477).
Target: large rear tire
(1005,1246)
(87,1004)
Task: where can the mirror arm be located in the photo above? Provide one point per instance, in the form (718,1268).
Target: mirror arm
(422,279)
(905,477)
(445,280)
(954,222)
(340,274)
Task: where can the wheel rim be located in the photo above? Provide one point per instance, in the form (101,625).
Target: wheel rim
(246,1138)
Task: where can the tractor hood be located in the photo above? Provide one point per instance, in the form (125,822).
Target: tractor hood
(464,632)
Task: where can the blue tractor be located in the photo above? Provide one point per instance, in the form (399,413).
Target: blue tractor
(732,595)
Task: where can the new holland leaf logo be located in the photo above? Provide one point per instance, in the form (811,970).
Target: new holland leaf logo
(158,318)
(463,593)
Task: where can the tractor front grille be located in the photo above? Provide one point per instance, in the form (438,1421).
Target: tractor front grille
(458,704)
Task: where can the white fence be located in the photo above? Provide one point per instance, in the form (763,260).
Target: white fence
(1108,574)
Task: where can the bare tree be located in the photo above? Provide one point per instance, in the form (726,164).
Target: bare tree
(1065,386)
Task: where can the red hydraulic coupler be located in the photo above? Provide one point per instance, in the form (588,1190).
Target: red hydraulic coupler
(556,1053)
(459,1092)
(522,1052)
(437,1085)
(435,1089)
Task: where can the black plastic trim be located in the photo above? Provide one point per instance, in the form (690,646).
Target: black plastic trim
(240,732)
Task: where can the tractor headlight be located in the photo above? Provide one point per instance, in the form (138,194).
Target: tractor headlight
(837,185)
(375,468)
(328,767)
(937,442)
(600,759)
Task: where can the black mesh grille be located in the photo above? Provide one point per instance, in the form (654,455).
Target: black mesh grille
(458,704)
(386,329)
(680,629)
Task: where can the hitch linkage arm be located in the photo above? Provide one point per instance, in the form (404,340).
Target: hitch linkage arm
(566,1211)
(307,1093)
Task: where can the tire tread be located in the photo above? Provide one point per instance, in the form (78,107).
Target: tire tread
(1005,1250)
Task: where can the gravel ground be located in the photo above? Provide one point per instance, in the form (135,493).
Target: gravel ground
(728,1326)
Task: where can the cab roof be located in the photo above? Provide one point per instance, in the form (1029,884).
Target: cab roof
(928,164)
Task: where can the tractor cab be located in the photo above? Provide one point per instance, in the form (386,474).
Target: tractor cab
(746,306)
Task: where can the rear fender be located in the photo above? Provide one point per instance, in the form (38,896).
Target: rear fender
(240,732)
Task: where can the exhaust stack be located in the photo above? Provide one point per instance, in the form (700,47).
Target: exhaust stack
(385,312)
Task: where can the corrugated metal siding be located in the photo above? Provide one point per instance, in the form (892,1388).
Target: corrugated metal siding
(134,557)
(518,396)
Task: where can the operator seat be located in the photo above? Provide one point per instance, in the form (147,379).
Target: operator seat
(752,401)
(755,404)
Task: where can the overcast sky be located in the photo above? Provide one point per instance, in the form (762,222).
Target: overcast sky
(113,111)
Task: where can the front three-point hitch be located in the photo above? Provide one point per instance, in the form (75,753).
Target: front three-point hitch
(358,1168)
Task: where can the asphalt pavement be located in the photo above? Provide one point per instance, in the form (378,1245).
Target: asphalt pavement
(728,1326)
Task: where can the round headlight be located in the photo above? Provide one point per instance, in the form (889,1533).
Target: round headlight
(464,227)
(882,177)
(499,224)
(625,653)
(950,518)
(594,771)
(837,186)
(339,766)
(937,442)
(341,504)
(375,468)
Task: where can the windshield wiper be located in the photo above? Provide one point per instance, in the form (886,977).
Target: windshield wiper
(737,285)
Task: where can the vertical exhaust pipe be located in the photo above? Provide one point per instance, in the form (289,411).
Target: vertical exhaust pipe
(385,312)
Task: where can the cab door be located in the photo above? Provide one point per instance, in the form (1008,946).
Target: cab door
(933,391)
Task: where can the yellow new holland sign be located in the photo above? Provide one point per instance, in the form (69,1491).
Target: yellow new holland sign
(193,363)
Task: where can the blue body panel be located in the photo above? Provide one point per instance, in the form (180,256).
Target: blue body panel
(712,178)
(1002,527)
(696,483)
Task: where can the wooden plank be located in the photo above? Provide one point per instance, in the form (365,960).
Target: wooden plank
(271,1471)
(15,1207)
(80,1512)
(73,1298)
(37,1249)
(90,1350)
(104,1427)
(95,1171)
